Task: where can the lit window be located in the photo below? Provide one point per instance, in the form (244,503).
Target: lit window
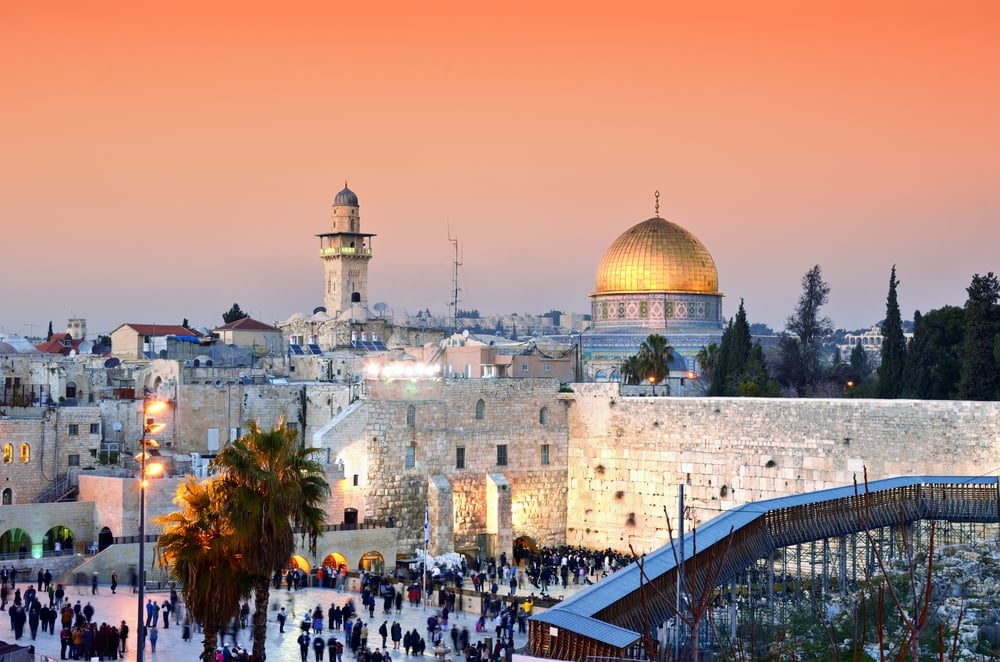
(25,453)
(8,453)
(460,458)
(480,410)
(545,454)
(502,455)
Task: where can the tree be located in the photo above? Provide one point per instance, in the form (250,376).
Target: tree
(198,550)
(734,352)
(185,324)
(234,314)
(655,357)
(933,366)
(890,370)
(707,358)
(49,336)
(980,376)
(798,364)
(273,486)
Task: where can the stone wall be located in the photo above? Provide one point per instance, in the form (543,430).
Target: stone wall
(628,455)
(444,419)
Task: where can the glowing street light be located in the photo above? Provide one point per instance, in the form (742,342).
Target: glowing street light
(149,427)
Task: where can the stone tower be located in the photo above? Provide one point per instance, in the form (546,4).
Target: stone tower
(345,252)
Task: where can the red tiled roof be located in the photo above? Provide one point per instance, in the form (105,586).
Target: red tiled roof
(161,330)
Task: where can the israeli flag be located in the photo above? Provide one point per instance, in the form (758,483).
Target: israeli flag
(427,525)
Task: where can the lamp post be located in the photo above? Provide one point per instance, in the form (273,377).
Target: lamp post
(149,426)
(652,382)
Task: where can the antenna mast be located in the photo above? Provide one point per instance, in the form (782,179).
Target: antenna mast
(454,284)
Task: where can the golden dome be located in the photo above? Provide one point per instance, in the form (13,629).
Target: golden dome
(657,256)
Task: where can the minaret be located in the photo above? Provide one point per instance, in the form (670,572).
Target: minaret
(345,252)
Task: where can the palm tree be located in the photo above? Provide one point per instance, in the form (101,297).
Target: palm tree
(197,550)
(655,357)
(273,487)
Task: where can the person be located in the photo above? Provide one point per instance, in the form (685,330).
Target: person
(304,645)
(282,617)
(154,634)
(383,631)
(93,584)
(149,612)
(166,614)
(319,645)
(123,637)
(114,582)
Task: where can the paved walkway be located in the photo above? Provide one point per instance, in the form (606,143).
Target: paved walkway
(280,647)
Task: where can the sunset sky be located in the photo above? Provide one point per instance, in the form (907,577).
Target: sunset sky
(162,160)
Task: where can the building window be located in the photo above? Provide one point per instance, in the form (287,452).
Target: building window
(410,460)
(74,429)
(524,367)
(543,415)
(411,416)
(25,453)
(8,453)
(480,410)
(548,367)
(501,455)
(460,457)
(73,460)
(355,480)
(8,497)
(545,454)
(95,428)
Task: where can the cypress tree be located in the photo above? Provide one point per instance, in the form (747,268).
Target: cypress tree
(980,377)
(917,369)
(890,371)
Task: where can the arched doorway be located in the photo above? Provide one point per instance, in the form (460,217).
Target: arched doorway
(300,563)
(335,561)
(524,547)
(16,542)
(55,540)
(372,562)
(105,538)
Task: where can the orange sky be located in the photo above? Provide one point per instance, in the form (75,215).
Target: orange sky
(163,160)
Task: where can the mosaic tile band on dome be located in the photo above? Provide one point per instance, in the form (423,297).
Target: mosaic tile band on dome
(657,256)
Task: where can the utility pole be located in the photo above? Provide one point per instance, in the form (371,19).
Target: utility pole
(454,284)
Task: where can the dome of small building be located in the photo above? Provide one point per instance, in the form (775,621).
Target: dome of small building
(657,256)
(346,197)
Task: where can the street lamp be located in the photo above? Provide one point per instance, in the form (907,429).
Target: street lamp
(652,382)
(149,427)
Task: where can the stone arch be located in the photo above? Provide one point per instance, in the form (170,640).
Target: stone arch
(373,562)
(600,376)
(480,409)
(336,560)
(300,563)
(70,390)
(8,496)
(55,539)
(105,538)
(16,542)
(524,547)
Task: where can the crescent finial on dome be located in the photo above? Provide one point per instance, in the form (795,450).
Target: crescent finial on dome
(656,206)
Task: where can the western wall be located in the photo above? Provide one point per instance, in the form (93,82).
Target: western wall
(627,455)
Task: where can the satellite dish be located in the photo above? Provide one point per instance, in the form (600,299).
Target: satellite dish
(72,352)
(218,383)
(319,309)
(380,308)
(116,426)
(112,363)
(465,333)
